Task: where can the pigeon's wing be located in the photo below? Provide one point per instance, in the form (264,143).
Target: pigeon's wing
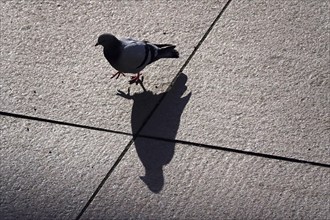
(135,55)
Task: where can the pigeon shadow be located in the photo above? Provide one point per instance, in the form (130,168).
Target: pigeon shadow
(154,153)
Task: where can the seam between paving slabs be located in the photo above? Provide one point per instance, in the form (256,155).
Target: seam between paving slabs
(184,142)
(233,150)
(153,110)
(14,115)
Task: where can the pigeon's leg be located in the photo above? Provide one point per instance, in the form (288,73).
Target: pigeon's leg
(117,75)
(136,79)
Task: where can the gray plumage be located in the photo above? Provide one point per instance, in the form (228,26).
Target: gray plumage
(131,56)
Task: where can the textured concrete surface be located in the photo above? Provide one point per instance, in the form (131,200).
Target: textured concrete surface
(49,171)
(50,67)
(210,184)
(261,82)
(242,134)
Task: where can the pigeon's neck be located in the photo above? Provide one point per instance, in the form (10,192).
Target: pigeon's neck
(112,52)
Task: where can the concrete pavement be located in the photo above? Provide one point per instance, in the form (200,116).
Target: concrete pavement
(243,133)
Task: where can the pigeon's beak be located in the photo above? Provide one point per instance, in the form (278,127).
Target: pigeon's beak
(97,44)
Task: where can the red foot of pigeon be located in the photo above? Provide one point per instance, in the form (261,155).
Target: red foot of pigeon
(117,75)
(136,79)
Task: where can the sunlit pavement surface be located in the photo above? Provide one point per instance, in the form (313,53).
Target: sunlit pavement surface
(236,128)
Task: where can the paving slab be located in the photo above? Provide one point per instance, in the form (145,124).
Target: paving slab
(51,69)
(49,171)
(259,82)
(188,182)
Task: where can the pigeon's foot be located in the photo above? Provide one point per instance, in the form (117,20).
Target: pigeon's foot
(117,75)
(136,79)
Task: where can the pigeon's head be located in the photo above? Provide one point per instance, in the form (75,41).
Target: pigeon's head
(106,40)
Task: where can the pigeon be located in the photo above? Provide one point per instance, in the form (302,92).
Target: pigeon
(127,55)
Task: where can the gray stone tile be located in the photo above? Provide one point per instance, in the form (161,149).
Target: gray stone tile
(50,67)
(50,171)
(259,82)
(188,182)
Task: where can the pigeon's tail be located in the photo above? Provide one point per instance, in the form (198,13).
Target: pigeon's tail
(168,52)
